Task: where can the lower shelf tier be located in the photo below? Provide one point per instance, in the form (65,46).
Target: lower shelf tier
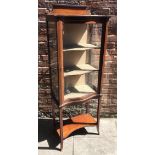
(79,94)
(76,123)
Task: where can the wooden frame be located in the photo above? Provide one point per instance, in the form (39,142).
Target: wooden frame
(80,121)
(61,9)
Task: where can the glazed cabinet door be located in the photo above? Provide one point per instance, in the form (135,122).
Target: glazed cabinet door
(81,52)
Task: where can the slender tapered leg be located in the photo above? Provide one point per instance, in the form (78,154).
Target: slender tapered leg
(98,115)
(53,114)
(60,74)
(87,107)
(61,128)
(101,66)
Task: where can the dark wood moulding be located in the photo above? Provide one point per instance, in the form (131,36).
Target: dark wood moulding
(79,19)
(69,10)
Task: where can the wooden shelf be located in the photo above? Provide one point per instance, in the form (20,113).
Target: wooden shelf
(84,89)
(86,67)
(80,47)
(79,92)
(79,70)
(76,123)
(75,72)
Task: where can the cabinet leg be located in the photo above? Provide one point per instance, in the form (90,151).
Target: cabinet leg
(53,114)
(87,107)
(98,115)
(61,128)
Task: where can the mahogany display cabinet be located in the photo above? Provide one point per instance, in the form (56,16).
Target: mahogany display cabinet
(76,47)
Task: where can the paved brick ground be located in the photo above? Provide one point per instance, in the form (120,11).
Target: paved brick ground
(82,142)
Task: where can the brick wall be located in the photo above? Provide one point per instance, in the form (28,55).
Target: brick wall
(109,86)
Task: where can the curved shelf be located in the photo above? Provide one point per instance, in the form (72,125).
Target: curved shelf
(76,123)
(79,94)
(80,100)
(79,69)
(75,72)
(79,91)
(80,47)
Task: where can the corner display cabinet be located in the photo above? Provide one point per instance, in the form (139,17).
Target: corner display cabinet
(76,45)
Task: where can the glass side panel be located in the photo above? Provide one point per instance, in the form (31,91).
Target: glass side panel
(53,59)
(94,34)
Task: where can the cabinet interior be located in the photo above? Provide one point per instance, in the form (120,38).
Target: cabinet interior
(78,62)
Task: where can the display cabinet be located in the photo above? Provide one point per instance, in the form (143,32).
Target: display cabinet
(76,45)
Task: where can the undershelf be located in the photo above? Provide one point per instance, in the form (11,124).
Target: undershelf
(81,47)
(79,70)
(76,123)
(80,91)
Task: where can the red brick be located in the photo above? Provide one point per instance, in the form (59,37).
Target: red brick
(110,70)
(44,91)
(43,70)
(42,31)
(44,57)
(111,52)
(112,38)
(43,64)
(42,11)
(109,96)
(43,51)
(41,18)
(110,58)
(111,45)
(111,75)
(110,102)
(42,46)
(42,38)
(102,11)
(106,86)
(109,91)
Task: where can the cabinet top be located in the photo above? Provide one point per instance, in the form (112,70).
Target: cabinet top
(79,18)
(60,9)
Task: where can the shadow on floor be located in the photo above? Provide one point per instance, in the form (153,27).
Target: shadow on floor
(46,131)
